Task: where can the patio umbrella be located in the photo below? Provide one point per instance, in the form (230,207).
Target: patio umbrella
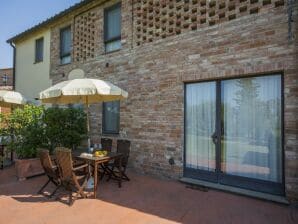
(86,91)
(11,98)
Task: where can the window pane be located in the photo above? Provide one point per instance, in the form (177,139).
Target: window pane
(251,138)
(65,42)
(113,23)
(200,125)
(111,117)
(113,46)
(39,50)
(5,79)
(65,59)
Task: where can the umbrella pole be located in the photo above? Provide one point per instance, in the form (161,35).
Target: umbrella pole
(88,124)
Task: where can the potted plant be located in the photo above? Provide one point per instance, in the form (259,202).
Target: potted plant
(25,129)
(34,127)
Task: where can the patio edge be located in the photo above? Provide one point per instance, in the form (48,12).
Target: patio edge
(240,191)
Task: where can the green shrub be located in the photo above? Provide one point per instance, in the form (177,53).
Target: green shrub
(24,129)
(65,127)
(34,126)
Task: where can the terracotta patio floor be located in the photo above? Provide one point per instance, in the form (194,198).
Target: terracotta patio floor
(142,200)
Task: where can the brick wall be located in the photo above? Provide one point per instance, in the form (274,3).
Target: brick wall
(9,83)
(160,19)
(6,86)
(154,73)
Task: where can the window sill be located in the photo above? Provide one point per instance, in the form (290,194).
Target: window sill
(37,62)
(110,52)
(109,134)
(65,64)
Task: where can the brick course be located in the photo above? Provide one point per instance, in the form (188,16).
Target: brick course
(160,19)
(154,73)
(9,83)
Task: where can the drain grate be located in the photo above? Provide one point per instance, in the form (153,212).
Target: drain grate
(197,187)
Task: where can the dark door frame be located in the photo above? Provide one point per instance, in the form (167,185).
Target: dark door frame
(226,179)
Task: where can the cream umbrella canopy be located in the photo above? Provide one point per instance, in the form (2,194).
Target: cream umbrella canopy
(10,98)
(86,91)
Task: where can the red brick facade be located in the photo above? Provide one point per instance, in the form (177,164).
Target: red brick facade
(168,43)
(161,19)
(6,83)
(6,78)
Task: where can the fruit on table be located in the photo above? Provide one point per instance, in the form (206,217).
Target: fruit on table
(101,153)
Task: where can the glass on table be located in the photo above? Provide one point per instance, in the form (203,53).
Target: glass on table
(91,149)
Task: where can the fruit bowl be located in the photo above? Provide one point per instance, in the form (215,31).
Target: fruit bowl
(100,153)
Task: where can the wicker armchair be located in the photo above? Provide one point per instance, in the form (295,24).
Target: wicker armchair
(117,170)
(73,179)
(50,170)
(106,144)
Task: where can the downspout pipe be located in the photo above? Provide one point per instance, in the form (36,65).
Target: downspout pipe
(14,66)
(290,19)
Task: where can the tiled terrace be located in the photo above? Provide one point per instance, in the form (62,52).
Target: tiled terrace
(142,200)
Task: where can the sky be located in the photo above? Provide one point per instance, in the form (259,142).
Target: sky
(18,15)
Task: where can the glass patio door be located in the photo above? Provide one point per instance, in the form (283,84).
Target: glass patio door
(233,132)
(251,131)
(200,126)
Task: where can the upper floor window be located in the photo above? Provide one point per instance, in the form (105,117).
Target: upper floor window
(39,50)
(65,45)
(112,28)
(5,79)
(111,117)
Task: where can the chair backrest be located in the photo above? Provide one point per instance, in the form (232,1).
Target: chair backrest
(64,160)
(106,144)
(46,163)
(123,146)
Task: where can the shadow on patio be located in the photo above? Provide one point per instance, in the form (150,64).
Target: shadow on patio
(142,200)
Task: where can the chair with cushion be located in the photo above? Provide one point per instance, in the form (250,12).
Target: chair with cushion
(73,179)
(117,170)
(106,144)
(50,170)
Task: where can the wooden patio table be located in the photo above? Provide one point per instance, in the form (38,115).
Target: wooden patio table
(96,161)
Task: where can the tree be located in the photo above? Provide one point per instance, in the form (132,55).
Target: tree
(246,99)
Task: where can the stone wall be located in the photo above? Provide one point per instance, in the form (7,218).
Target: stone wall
(154,74)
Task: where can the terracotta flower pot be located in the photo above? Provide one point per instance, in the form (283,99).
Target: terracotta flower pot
(27,168)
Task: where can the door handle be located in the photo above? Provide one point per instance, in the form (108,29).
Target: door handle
(214,138)
(222,128)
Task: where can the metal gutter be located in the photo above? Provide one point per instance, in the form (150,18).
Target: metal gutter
(14,66)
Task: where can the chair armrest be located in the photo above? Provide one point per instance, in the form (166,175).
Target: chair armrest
(80,167)
(54,160)
(54,167)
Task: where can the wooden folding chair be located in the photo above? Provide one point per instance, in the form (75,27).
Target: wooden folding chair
(117,170)
(73,179)
(106,144)
(50,170)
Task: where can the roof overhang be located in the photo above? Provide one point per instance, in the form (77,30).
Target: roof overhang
(49,20)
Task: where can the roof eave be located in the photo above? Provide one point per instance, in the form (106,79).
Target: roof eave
(49,20)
